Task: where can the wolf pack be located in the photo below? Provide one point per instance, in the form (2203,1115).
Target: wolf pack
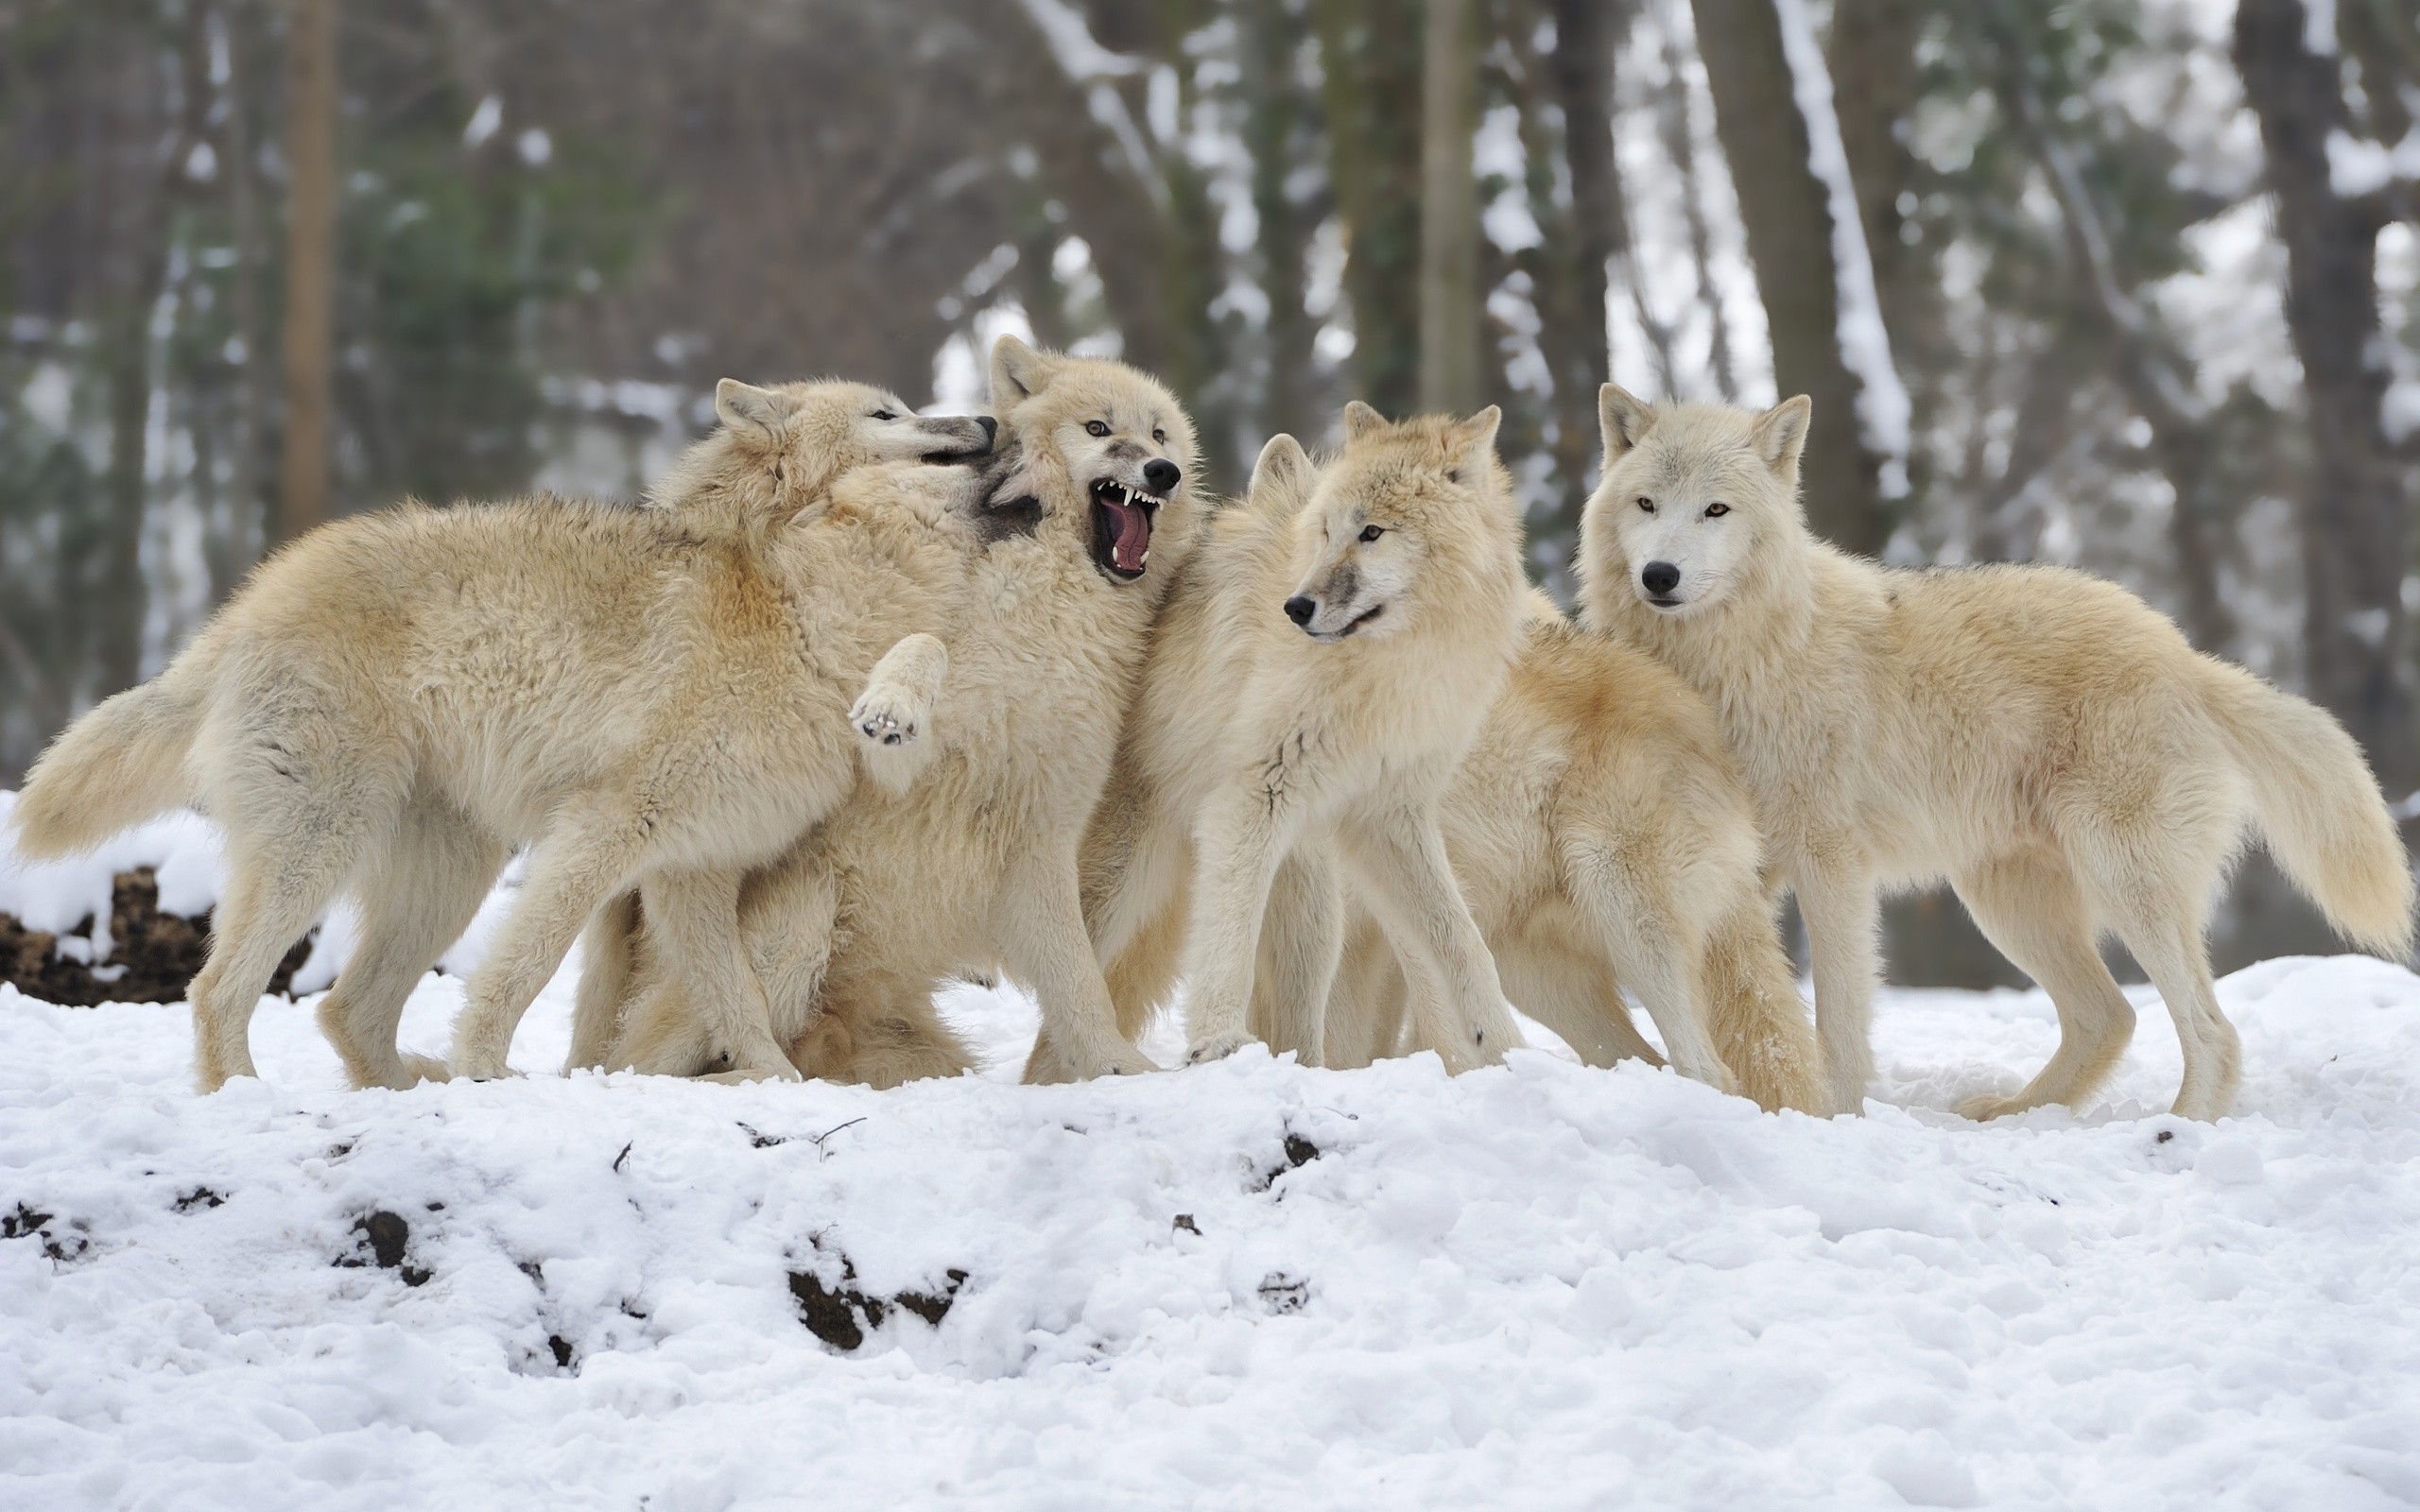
(860,701)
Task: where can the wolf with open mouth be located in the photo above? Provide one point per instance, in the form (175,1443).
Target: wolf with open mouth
(972,867)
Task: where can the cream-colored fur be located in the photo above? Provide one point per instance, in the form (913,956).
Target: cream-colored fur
(1599,831)
(978,866)
(1254,738)
(396,698)
(2044,739)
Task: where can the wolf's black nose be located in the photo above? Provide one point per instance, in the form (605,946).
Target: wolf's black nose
(1300,609)
(991,428)
(1659,578)
(1159,474)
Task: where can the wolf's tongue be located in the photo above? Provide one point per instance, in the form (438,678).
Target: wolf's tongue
(1133,538)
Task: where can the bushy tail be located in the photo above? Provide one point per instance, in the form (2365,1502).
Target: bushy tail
(1753,1011)
(115,767)
(2320,811)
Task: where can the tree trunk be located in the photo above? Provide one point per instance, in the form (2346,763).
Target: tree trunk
(1586,35)
(1372,53)
(310,262)
(1789,221)
(248,524)
(1872,52)
(2354,551)
(1450,303)
(1278,116)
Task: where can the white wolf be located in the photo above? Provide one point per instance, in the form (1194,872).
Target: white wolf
(2045,740)
(1321,668)
(393,701)
(1601,834)
(976,869)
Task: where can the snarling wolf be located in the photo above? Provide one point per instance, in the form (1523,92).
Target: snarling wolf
(2044,739)
(853,928)
(393,701)
(1324,664)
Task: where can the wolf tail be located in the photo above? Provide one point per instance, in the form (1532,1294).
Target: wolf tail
(2320,810)
(118,765)
(1752,1010)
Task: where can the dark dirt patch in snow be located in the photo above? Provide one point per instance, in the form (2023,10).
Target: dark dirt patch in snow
(152,959)
(839,1315)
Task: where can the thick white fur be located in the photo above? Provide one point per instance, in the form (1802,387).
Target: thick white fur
(2044,739)
(1253,736)
(854,927)
(394,701)
(1601,835)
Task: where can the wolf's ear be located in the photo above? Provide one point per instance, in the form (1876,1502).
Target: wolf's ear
(1476,434)
(1018,372)
(1624,418)
(749,411)
(1360,419)
(1283,464)
(1780,433)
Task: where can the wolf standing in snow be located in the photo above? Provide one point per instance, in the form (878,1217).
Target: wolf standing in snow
(396,698)
(1319,671)
(2045,740)
(1601,834)
(976,869)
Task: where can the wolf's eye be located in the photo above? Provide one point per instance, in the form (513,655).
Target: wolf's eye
(1648,505)
(1095,428)
(1371,532)
(1160,436)
(1716,511)
(883,414)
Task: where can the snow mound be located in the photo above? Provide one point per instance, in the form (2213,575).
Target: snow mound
(1246,1285)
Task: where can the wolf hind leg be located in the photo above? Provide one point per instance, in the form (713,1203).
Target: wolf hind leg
(437,872)
(2031,910)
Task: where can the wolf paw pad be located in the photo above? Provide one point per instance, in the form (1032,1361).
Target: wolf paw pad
(1218,1047)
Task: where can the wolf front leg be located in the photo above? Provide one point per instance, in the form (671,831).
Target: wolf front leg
(1039,926)
(1842,917)
(1238,842)
(695,915)
(1401,858)
(894,715)
(1302,939)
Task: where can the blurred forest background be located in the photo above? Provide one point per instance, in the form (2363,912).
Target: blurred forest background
(2126,283)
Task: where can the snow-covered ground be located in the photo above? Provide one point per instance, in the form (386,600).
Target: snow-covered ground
(1249,1285)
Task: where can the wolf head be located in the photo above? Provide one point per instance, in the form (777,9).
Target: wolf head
(779,449)
(1108,458)
(1405,508)
(1692,495)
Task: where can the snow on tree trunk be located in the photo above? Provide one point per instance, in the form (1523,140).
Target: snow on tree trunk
(1865,345)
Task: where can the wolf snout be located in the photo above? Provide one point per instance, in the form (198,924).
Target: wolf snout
(991,428)
(1159,474)
(1300,609)
(1659,579)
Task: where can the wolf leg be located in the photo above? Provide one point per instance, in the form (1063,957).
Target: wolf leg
(694,912)
(1842,918)
(1301,940)
(1576,997)
(2031,910)
(1237,847)
(608,961)
(437,874)
(896,708)
(1653,951)
(593,852)
(1401,860)
(1039,929)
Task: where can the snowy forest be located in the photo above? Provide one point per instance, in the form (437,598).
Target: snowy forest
(2124,283)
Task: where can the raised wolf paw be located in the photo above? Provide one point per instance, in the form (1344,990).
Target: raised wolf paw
(896,707)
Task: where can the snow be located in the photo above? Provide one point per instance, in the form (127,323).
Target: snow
(1883,406)
(1244,1286)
